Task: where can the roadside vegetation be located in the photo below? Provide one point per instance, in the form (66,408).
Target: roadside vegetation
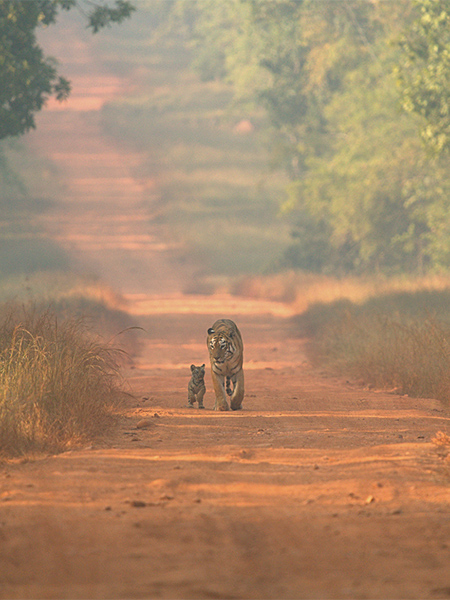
(61,352)
(355,96)
(390,333)
(59,358)
(73,295)
(63,340)
(302,290)
(400,341)
(397,340)
(59,385)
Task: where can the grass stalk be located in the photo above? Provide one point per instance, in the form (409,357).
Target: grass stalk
(398,341)
(58,384)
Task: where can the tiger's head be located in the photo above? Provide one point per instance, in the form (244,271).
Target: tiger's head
(198,374)
(221,345)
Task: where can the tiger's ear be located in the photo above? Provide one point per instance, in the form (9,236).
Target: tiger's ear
(210,331)
(192,367)
(203,365)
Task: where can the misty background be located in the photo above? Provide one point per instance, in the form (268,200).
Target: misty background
(206,142)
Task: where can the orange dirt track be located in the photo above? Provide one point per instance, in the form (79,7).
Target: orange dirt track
(316,489)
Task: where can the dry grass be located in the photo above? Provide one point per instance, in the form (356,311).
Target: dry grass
(388,332)
(58,385)
(59,288)
(399,341)
(71,295)
(302,290)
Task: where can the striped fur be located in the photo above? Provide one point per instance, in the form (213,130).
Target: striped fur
(196,387)
(226,356)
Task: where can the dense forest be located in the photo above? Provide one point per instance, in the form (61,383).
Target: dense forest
(358,98)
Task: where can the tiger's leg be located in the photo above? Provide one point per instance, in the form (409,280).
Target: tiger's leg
(238,392)
(200,395)
(191,399)
(219,389)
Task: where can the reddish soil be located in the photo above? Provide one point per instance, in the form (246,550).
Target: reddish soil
(316,489)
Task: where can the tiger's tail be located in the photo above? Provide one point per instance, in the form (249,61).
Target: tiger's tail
(229,390)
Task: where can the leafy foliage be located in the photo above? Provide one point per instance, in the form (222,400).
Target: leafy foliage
(425,71)
(104,16)
(27,77)
(364,195)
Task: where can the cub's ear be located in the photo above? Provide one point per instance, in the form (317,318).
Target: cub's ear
(203,366)
(192,367)
(210,331)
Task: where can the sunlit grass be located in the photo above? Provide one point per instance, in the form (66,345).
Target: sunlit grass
(387,332)
(57,287)
(302,290)
(71,295)
(59,386)
(399,341)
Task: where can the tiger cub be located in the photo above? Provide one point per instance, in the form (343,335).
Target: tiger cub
(196,387)
(226,353)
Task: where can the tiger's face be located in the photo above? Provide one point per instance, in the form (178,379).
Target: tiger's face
(198,374)
(226,352)
(221,347)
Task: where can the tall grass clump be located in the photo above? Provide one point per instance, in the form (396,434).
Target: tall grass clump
(71,295)
(400,341)
(58,384)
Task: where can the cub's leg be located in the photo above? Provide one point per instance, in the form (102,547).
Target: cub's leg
(238,391)
(219,389)
(200,395)
(191,399)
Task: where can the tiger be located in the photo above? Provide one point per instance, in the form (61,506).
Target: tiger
(226,353)
(196,386)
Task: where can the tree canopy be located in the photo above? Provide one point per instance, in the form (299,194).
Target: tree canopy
(350,89)
(425,71)
(27,77)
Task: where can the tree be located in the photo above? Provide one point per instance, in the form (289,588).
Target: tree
(363,195)
(27,77)
(385,201)
(424,71)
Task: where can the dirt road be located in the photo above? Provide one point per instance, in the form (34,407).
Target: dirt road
(316,489)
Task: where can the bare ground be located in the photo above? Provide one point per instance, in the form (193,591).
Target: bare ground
(316,489)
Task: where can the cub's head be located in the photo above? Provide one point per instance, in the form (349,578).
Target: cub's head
(198,373)
(221,345)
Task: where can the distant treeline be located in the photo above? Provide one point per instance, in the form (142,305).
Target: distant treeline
(358,98)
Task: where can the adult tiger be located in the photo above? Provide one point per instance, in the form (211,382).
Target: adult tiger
(226,355)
